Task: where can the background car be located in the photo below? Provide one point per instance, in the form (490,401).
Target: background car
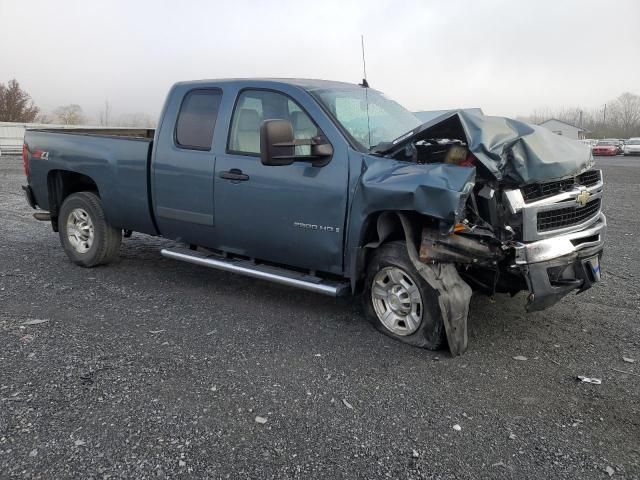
(618,143)
(608,147)
(632,146)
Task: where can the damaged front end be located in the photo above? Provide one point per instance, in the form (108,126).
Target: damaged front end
(561,239)
(526,217)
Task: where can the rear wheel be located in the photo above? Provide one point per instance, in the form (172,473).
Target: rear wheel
(399,302)
(86,236)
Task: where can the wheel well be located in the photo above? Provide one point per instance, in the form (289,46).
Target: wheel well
(378,228)
(61,184)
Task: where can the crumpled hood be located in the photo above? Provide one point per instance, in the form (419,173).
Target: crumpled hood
(512,151)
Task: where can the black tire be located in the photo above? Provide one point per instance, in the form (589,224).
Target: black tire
(430,334)
(106,239)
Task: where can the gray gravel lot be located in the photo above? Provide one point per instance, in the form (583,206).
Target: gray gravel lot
(152,368)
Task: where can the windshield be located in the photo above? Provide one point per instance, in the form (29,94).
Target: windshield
(633,142)
(604,143)
(386,119)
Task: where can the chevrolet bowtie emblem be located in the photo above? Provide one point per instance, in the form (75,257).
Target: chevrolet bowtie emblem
(583,198)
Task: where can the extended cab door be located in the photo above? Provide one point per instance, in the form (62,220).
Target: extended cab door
(183,165)
(293,214)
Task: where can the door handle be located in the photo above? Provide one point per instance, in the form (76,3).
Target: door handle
(235,174)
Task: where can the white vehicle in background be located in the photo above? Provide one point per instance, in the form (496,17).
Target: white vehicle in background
(588,141)
(632,146)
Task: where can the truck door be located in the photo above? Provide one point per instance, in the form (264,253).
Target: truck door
(183,166)
(291,214)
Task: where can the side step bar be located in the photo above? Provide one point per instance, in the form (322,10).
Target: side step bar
(264,272)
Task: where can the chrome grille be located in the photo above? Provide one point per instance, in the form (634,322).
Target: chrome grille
(588,178)
(538,191)
(567,217)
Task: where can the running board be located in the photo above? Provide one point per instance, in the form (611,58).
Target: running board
(265,272)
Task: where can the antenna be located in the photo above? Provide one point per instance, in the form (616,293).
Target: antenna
(365,84)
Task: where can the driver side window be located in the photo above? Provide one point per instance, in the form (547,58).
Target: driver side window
(255,106)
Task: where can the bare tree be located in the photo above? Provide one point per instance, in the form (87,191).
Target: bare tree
(137,120)
(539,115)
(44,118)
(105,115)
(573,115)
(619,118)
(70,114)
(625,114)
(16,104)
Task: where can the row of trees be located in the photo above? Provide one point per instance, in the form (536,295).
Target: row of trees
(16,105)
(619,118)
(74,115)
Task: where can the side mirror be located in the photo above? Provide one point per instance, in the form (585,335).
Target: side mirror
(277,145)
(276,142)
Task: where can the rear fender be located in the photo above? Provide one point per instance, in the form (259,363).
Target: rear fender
(61,184)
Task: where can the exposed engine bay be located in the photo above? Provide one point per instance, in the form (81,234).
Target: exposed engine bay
(479,241)
(530,219)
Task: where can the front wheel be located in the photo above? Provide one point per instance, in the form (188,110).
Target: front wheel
(399,302)
(86,236)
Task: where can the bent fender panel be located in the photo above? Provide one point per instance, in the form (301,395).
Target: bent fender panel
(454,294)
(385,185)
(435,190)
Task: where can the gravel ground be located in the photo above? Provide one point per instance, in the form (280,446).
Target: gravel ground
(153,368)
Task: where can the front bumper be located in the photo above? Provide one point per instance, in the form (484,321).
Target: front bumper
(556,266)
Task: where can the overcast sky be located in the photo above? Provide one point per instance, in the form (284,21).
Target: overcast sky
(505,56)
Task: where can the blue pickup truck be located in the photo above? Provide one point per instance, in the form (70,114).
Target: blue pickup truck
(334,188)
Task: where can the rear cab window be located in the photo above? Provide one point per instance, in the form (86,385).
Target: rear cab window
(197,119)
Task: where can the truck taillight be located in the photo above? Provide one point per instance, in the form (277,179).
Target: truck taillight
(25,159)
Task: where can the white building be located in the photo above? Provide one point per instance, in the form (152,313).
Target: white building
(12,134)
(565,129)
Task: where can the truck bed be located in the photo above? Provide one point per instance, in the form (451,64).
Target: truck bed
(116,160)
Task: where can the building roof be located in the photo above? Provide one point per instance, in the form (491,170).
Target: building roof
(560,121)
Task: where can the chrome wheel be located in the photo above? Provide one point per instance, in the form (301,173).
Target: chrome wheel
(396,301)
(80,230)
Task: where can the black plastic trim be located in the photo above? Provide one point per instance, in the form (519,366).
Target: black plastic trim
(28,193)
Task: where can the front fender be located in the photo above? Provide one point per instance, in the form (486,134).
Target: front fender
(435,190)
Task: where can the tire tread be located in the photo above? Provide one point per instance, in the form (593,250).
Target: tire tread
(431,334)
(109,238)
